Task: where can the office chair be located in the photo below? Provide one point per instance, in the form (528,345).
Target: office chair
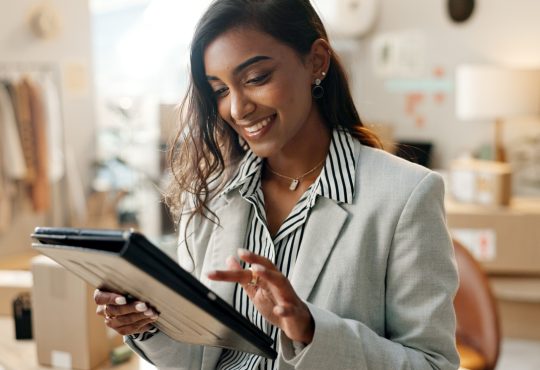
(478,332)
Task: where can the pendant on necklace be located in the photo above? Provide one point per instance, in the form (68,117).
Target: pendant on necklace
(294,184)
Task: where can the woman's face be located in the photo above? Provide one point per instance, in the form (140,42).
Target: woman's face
(262,87)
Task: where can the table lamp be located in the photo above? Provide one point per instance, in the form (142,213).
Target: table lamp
(485,92)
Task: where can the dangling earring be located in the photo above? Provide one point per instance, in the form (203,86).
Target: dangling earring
(317,91)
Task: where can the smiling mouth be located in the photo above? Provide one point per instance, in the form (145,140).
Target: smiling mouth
(259,126)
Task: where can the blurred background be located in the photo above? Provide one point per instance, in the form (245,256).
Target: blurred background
(87,106)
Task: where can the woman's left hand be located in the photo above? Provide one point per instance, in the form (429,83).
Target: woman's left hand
(272,295)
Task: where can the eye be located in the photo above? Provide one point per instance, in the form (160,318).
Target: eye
(221,92)
(259,79)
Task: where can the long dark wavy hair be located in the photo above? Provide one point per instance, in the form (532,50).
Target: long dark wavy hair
(206,147)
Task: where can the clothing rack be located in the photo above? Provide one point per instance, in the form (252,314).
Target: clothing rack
(13,71)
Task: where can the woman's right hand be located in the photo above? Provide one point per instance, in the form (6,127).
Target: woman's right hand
(124,317)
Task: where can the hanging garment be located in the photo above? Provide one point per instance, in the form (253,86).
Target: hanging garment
(20,96)
(40,187)
(5,210)
(53,117)
(4,203)
(13,163)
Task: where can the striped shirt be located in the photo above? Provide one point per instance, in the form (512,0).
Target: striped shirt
(336,182)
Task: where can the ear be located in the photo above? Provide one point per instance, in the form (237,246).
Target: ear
(320,57)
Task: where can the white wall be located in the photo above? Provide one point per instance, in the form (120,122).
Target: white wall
(70,55)
(499,32)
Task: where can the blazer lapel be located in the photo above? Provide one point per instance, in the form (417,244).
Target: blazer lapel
(322,230)
(227,238)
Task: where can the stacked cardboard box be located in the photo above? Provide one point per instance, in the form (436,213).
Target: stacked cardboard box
(67,331)
(506,241)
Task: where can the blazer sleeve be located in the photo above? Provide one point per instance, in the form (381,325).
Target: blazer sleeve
(421,282)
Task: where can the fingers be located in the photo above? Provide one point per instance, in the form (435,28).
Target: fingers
(129,308)
(269,276)
(276,283)
(116,305)
(235,273)
(237,276)
(144,328)
(136,307)
(272,294)
(131,319)
(233,264)
(103,297)
(131,325)
(125,318)
(253,258)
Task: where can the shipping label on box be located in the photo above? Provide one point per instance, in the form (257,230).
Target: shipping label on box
(482,243)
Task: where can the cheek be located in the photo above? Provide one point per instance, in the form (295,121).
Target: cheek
(297,99)
(288,96)
(296,89)
(224,110)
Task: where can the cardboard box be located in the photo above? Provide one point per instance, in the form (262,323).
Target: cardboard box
(504,239)
(519,306)
(67,331)
(480,182)
(13,283)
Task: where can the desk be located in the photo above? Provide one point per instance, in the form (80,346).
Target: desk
(21,354)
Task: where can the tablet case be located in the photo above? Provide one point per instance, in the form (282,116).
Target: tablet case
(127,263)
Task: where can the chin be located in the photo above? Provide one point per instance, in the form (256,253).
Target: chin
(263,150)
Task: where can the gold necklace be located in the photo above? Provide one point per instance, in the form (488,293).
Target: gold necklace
(294,180)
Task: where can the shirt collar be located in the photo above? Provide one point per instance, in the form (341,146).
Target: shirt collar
(338,176)
(248,171)
(336,181)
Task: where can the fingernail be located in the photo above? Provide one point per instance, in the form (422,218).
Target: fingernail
(257,268)
(149,313)
(279,310)
(155,317)
(141,307)
(120,300)
(243,252)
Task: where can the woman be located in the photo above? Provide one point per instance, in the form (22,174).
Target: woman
(344,258)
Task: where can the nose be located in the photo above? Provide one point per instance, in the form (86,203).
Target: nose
(241,105)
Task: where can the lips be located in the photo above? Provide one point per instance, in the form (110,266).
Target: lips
(258,128)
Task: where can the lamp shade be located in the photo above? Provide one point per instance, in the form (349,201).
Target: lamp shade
(489,92)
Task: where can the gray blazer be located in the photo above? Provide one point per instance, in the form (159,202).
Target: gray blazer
(378,275)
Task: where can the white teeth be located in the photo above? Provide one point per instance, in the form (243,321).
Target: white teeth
(258,126)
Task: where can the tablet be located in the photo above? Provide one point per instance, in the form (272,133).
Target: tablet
(127,263)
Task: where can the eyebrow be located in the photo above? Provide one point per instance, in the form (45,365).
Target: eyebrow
(243,65)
